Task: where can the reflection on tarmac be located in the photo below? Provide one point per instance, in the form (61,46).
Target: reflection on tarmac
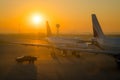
(54,67)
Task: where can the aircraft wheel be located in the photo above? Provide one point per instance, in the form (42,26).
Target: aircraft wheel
(64,53)
(117,60)
(53,54)
(78,56)
(118,63)
(75,54)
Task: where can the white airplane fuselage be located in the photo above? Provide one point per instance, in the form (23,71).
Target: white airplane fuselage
(109,43)
(66,42)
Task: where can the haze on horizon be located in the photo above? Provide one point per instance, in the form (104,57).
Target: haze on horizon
(74,16)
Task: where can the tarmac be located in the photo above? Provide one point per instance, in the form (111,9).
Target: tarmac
(55,67)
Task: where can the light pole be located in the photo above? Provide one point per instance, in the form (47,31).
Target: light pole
(19,28)
(57,26)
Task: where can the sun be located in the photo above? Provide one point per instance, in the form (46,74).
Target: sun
(37,19)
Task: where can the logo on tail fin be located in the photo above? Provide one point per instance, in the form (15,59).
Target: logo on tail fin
(97,31)
(49,33)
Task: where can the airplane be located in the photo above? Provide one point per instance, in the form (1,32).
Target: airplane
(105,45)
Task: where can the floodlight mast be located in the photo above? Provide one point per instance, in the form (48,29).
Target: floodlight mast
(57,26)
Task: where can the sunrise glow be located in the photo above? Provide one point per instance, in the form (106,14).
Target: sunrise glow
(37,19)
(73,16)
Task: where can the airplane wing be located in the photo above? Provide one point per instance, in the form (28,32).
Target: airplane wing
(33,44)
(70,48)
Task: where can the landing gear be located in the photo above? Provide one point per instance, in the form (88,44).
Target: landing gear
(53,53)
(117,60)
(64,52)
(75,54)
(118,64)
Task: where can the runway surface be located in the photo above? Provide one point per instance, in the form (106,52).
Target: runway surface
(58,67)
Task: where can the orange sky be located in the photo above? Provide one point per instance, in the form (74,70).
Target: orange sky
(74,16)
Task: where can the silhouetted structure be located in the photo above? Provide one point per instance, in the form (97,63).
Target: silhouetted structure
(57,26)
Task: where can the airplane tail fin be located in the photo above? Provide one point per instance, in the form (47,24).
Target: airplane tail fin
(49,32)
(97,31)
